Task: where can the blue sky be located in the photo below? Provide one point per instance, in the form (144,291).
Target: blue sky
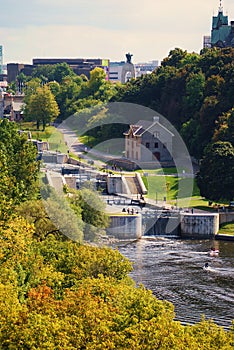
(149,29)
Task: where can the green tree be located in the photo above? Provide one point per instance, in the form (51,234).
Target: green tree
(225,128)
(92,211)
(195,85)
(215,178)
(18,165)
(41,106)
(60,71)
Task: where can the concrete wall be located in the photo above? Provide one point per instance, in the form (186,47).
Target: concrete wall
(163,226)
(141,183)
(125,226)
(226,217)
(54,157)
(114,184)
(199,225)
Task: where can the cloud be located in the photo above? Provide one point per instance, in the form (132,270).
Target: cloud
(87,41)
(78,28)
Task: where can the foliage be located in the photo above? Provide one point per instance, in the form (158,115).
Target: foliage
(58,294)
(41,106)
(92,208)
(18,166)
(215,178)
(192,91)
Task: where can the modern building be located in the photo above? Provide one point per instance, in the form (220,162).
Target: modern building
(222,33)
(206,41)
(1,60)
(14,69)
(148,141)
(115,72)
(78,65)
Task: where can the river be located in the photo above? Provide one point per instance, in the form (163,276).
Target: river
(173,270)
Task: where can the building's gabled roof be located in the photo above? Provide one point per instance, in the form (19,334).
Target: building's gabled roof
(143,126)
(133,129)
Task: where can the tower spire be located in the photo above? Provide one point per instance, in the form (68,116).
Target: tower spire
(220,6)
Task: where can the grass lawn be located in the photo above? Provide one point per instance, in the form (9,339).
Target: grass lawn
(227,229)
(160,187)
(50,134)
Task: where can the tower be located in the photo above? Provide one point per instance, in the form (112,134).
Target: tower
(221,31)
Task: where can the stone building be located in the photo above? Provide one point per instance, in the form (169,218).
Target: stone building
(149,142)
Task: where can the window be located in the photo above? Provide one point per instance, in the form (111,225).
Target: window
(147,145)
(156,145)
(156,134)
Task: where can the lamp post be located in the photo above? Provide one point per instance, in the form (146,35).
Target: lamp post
(156,197)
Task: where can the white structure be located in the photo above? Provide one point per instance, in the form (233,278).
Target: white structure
(116,70)
(146,67)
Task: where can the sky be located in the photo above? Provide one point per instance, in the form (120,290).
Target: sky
(148,29)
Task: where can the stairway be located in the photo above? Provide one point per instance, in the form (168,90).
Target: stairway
(133,185)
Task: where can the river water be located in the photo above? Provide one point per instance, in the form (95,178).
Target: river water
(173,270)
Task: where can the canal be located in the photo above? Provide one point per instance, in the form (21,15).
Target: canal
(173,270)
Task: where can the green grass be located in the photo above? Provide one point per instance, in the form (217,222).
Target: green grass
(50,134)
(160,187)
(227,229)
(169,186)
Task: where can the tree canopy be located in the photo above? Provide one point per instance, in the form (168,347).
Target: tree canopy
(41,106)
(18,166)
(215,178)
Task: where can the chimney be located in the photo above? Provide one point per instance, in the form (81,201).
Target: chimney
(156,119)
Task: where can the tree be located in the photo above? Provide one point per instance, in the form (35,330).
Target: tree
(18,166)
(21,80)
(215,178)
(175,58)
(60,71)
(41,106)
(225,127)
(92,211)
(194,91)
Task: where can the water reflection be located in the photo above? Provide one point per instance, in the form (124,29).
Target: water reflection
(173,270)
